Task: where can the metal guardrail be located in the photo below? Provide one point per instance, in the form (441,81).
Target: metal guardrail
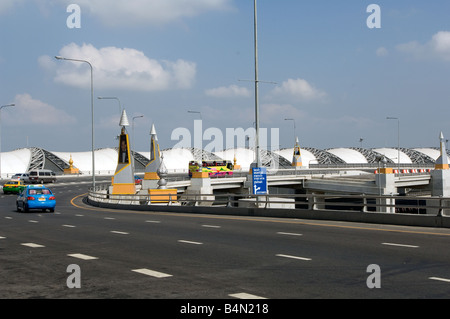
(437,206)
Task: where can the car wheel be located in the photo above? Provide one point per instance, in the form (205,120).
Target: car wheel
(25,208)
(17,207)
(52,210)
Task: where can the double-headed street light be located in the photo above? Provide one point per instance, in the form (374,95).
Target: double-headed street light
(1,107)
(201,134)
(92,111)
(398,138)
(294,128)
(132,126)
(197,112)
(112,98)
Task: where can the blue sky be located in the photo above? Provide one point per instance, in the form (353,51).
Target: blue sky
(335,76)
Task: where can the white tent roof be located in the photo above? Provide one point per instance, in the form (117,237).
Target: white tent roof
(348,155)
(177,160)
(15,162)
(392,154)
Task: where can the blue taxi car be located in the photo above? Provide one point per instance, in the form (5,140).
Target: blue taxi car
(36,197)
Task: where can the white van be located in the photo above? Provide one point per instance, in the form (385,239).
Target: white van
(42,176)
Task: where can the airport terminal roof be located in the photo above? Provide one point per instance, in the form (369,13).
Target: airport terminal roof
(177,159)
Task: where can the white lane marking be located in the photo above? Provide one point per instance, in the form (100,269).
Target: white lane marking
(2,237)
(33,221)
(69,226)
(32,245)
(109,218)
(82,256)
(153,221)
(243,295)
(79,215)
(293,257)
(399,245)
(211,226)
(8,217)
(289,234)
(151,273)
(119,232)
(439,279)
(190,242)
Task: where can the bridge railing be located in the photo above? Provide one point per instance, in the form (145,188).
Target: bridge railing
(436,206)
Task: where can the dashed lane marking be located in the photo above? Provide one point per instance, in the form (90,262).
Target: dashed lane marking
(243,295)
(119,232)
(293,257)
(400,245)
(82,256)
(32,245)
(152,273)
(190,242)
(289,234)
(439,279)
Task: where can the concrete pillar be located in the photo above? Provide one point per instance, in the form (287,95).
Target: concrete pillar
(440,187)
(201,185)
(315,202)
(385,182)
(440,180)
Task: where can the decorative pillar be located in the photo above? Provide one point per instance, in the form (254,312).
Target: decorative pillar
(151,176)
(123,182)
(297,157)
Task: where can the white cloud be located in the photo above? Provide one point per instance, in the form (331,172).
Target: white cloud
(145,12)
(5,5)
(437,48)
(440,44)
(230,91)
(382,52)
(119,69)
(300,89)
(31,111)
(272,111)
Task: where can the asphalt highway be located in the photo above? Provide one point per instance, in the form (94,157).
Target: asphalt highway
(147,255)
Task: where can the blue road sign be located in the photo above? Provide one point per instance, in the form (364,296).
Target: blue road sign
(260,181)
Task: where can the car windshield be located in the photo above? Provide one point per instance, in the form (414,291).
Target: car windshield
(39,191)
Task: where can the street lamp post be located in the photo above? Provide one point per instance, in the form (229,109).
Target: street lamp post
(294,127)
(1,107)
(197,112)
(132,126)
(111,98)
(258,156)
(201,134)
(398,138)
(92,111)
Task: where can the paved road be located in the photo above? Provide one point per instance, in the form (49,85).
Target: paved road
(122,254)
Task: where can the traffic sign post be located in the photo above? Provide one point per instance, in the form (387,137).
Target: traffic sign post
(259,179)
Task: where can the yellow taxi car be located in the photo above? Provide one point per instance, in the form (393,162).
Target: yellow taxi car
(13,186)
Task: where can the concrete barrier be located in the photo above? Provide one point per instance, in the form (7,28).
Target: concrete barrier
(330,215)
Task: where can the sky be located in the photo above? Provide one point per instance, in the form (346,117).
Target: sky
(338,69)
